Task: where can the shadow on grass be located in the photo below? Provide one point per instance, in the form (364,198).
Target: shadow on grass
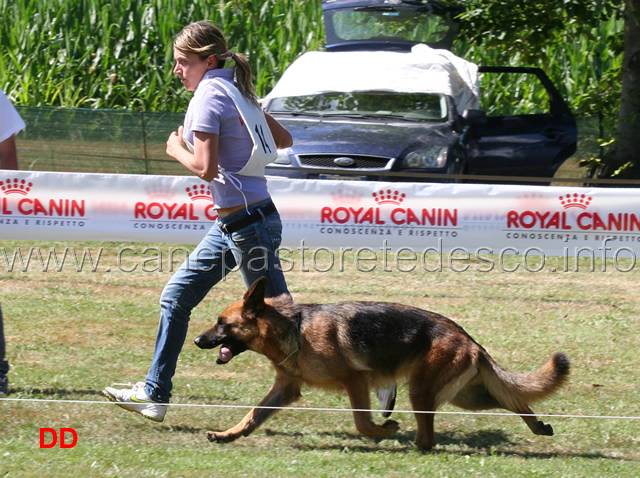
(52,393)
(482,442)
(77,394)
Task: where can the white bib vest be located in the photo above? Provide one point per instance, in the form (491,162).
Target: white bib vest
(264,149)
(264,146)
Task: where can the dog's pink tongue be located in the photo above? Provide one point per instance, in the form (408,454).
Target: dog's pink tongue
(225,354)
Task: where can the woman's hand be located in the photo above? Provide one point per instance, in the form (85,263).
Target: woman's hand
(175,144)
(203,162)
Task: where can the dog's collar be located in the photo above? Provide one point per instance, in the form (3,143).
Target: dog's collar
(289,356)
(298,341)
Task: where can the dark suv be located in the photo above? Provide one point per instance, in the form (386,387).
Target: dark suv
(388,101)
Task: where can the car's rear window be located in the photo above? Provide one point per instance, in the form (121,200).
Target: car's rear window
(409,106)
(388,23)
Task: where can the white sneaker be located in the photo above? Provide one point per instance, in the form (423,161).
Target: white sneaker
(136,400)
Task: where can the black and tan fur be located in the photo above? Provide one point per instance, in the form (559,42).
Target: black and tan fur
(357,345)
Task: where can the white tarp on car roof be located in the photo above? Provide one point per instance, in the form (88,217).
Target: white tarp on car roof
(423,70)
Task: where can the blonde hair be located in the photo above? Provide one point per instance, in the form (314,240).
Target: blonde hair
(205,39)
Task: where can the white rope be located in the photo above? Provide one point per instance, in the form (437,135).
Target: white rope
(320,409)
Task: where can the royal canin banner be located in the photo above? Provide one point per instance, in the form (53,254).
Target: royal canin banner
(326,213)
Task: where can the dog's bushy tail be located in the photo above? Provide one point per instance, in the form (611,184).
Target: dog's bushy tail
(515,391)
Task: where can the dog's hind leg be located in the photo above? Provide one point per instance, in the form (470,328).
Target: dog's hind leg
(358,391)
(282,393)
(433,386)
(423,402)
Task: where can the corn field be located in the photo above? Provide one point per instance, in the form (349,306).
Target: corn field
(103,54)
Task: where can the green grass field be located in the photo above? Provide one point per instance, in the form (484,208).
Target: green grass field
(71,333)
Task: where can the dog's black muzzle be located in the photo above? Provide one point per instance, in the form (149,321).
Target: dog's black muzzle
(205,342)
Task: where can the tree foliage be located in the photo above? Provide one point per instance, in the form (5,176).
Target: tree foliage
(513,26)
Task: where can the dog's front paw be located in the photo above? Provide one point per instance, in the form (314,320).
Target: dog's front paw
(219,437)
(391,425)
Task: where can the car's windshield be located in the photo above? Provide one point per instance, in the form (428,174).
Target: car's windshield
(410,106)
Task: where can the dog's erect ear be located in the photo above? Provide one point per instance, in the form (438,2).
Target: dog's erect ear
(254,297)
(256,290)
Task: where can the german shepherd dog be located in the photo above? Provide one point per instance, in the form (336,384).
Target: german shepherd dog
(357,345)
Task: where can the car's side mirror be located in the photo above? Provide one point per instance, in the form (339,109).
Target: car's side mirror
(471,116)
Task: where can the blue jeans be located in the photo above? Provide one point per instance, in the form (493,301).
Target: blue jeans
(252,249)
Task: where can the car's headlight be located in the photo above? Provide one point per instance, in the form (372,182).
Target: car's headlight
(283,157)
(434,157)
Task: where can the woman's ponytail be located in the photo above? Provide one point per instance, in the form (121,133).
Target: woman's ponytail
(244,78)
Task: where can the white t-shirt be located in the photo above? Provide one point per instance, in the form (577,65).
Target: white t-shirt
(10,121)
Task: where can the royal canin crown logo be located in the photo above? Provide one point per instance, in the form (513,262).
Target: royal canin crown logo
(199,192)
(389,197)
(570,220)
(35,206)
(382,214)
(15,186)
(162,205)
(575,200)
